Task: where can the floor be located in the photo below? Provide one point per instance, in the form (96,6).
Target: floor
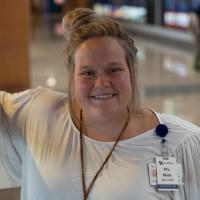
(169,83)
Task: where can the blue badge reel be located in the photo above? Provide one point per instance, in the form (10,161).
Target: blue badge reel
(165,173)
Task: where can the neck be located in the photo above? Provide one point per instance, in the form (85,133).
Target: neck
(104,130)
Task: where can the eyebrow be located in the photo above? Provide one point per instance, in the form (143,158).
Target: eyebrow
(85,67)
(110,64)
(115,63)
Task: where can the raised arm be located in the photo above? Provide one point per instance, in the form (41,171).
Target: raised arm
(12,118)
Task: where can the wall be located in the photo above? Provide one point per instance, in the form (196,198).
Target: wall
(14,45)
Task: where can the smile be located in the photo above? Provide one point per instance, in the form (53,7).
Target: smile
(104,97)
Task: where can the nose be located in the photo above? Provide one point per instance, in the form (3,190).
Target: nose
(102,80)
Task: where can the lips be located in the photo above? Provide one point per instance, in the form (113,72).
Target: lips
(103,96)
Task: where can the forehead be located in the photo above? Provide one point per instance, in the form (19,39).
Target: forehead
(99,50)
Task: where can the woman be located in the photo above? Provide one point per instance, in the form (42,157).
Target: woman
(99,142)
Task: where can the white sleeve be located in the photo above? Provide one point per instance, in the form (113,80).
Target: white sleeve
(13,109)
(189,153)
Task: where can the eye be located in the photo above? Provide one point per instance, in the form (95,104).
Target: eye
(114,70)
(87,73)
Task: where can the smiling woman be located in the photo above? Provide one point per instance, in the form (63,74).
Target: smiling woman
(102,84)
(97,142)
(84,24)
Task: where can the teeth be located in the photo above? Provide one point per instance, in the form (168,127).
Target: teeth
(102,97)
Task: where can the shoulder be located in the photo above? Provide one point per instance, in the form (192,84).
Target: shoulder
(45,100)
(175,122)
(45,95)
(180,130)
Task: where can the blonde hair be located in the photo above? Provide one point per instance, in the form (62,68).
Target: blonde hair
(83,23)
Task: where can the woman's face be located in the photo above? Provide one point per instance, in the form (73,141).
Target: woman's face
(102,85)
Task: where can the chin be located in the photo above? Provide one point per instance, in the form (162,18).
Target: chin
(106,113)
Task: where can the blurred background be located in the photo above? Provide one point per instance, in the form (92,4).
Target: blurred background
(165,32)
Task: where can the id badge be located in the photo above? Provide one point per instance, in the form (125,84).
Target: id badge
(166,174)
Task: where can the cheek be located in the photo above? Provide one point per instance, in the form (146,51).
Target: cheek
(81,88)
(124,83)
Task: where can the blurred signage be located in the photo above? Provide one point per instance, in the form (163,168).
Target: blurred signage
(133,13)
(177,19)
(177,13)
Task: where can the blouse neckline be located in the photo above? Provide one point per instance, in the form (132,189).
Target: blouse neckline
(149,132)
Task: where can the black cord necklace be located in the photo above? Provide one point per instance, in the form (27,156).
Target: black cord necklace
(86,191)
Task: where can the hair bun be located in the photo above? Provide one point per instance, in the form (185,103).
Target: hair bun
(77,18)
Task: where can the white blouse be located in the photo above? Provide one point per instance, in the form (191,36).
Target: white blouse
(40,151)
